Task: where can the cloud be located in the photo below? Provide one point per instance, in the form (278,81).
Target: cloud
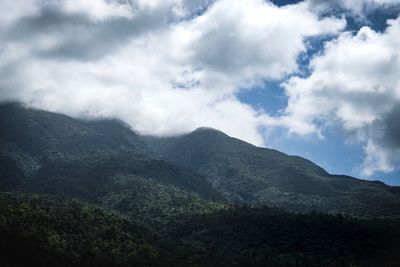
(165,67)
(256,38)
(86,30)
(355,85)
(356,7)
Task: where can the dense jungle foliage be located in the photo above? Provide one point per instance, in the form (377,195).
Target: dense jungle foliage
(96,193)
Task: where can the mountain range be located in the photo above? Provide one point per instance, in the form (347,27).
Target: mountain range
(199,199)
(250,175)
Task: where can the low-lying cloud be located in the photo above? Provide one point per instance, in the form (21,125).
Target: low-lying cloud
(165,67)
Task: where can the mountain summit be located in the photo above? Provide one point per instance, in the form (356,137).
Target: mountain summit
(246,174)
(52,153)
(95,193)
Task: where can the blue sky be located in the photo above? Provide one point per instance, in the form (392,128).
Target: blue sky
(314,78)
(333,152)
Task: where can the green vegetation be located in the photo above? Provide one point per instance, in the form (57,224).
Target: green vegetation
(51,153)
(95,193)
(249,175)
(155,205)
(44,231)
(272,237)
(47,231)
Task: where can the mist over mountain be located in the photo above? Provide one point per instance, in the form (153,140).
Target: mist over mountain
(202,199)
(163,133)
(45,144)
(50,153)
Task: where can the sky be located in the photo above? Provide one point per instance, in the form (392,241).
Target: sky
(315,78)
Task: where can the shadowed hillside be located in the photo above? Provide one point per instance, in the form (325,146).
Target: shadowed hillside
(246,174)
(95,193)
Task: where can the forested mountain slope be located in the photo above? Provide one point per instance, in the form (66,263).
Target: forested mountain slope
(103,162)
(246,174)
(95,193)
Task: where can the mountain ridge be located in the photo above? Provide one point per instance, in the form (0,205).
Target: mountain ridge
(251,175)
(48,152)
(63,149)
(95,193)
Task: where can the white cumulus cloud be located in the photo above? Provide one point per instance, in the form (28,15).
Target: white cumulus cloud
(165,67)
(354,84)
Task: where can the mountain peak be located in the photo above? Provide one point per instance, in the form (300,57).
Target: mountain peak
(208,129)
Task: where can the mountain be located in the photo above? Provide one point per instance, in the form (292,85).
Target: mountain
(250,175)
(49,153)
(76,192)
(102,161)
(48,136)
